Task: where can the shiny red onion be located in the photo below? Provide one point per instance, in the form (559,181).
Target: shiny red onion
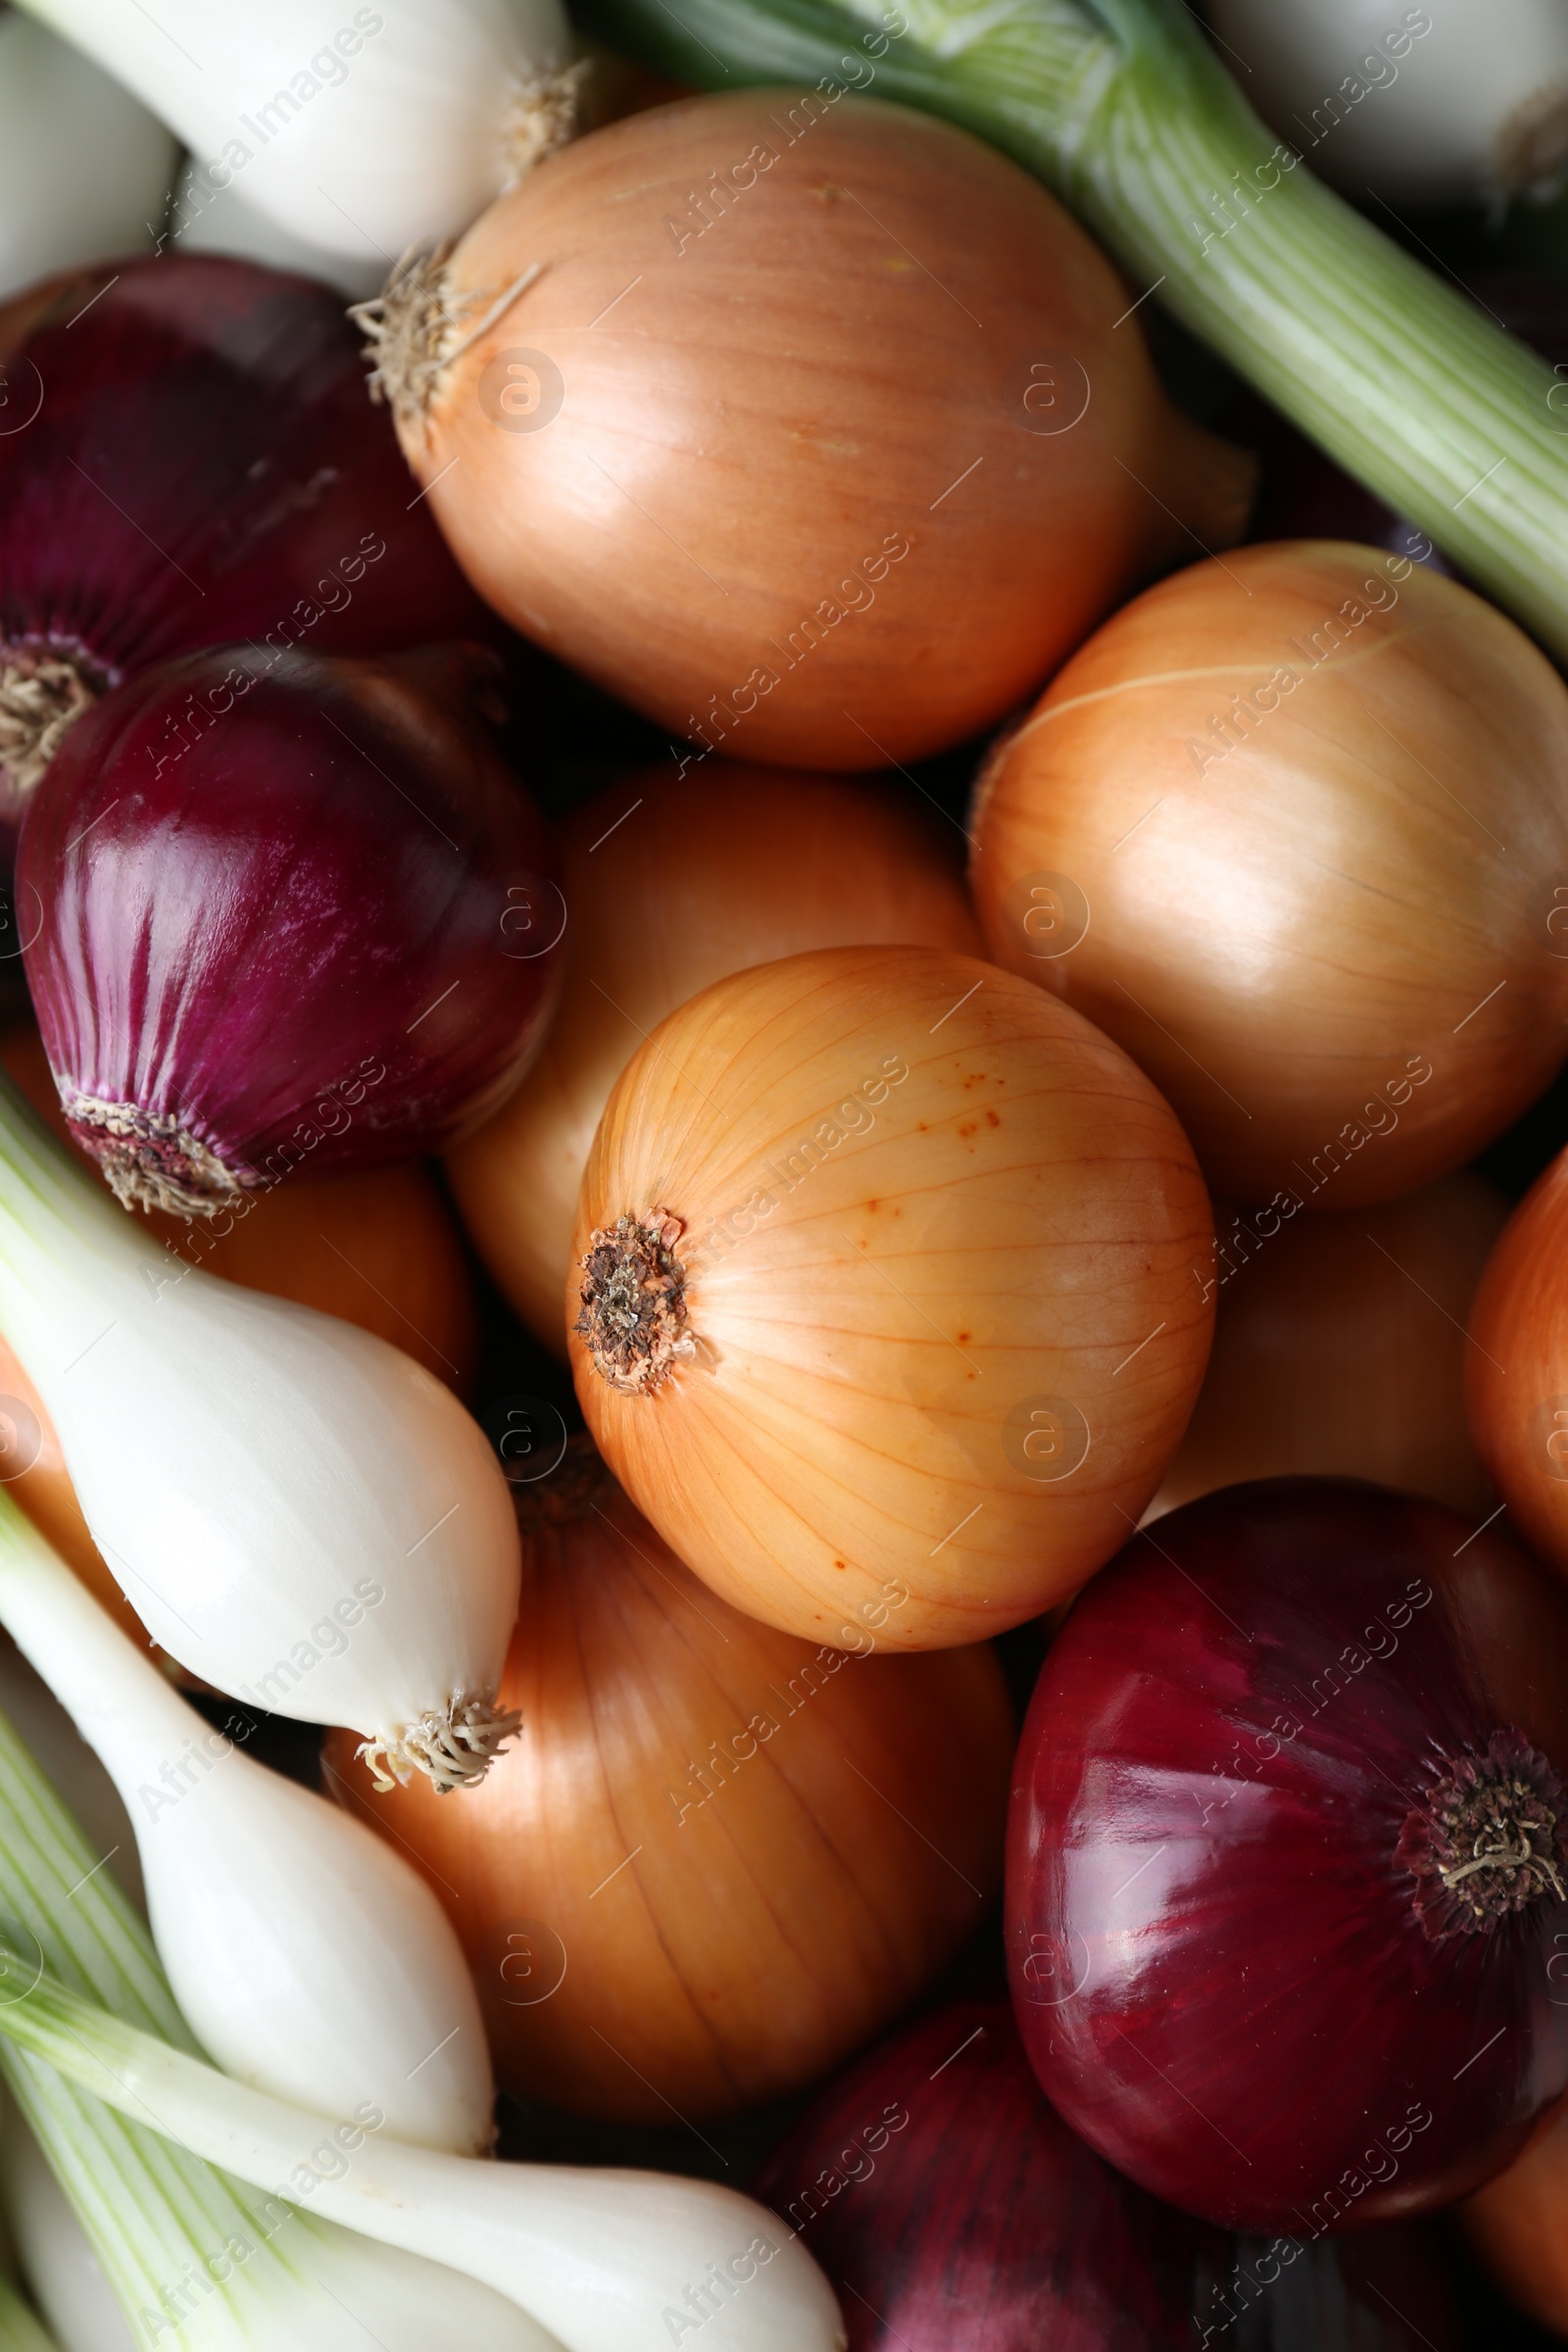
(1287,1853)
(955,2212)
(284,911)
(188,457)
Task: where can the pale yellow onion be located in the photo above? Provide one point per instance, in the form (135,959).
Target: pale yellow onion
(950,1362)
(1293,828)
(672,882)
(1340,1347)
(810,426)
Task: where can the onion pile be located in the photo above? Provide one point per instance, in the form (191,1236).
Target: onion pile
(1074,1246)
(888,1282)
(227,990)
(673,882)
(1295,1778)
(721,1858)
(833,532)
(1222,833)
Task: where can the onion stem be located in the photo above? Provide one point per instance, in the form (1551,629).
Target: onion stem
(1121,107)
(601,2257)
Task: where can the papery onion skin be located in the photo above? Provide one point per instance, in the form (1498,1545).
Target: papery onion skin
(317,933)
(640,1945)
(1516,1367)
(957,2213)
(773,480)
(200,468)
(1255,924)
(1340,1347)
(953,1358)
(673,882)
(1244,2008)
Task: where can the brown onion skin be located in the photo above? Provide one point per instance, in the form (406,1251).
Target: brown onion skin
(957,1351)
(725,868)
(1340,1349)
(732,443)
(756,1938)
(379,1250)
(1517,1366)
(1331,947)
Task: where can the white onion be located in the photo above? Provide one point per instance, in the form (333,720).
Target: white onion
(299,1513)
(1441,104)
(307,1956)
(85,170)
(361,129)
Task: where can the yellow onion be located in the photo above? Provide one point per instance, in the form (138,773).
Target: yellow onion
(1294,829)
(672,883)
(1517,1366)
(810,425)
(892,1279)
(1518,2223)
(379,1250)
(1340,1347)
(719,1857)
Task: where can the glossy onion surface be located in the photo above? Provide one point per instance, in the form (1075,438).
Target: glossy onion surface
(201,465)
(1516,1366)
(925,1305)
(717,1858)
(820,435)
(1237,1967)
(291,917)
(1293,828)
(1340,1347)
(673,882)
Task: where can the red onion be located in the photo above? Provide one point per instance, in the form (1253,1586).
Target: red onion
(1287,1856)
(283,914)
(955,2212)
(188,457)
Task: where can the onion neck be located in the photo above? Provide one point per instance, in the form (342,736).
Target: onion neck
(44,688)
(633,1316)
(1489,1838)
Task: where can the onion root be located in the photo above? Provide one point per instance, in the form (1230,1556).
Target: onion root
(453,1745)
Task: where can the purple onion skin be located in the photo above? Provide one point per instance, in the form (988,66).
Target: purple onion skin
(336,877)
(953,2211)
(1220,1969)
(205,466)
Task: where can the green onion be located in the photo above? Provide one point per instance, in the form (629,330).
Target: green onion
(199,2260)
(1122,107)
(154,2214)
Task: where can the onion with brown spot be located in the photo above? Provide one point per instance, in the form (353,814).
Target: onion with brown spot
(781,1232)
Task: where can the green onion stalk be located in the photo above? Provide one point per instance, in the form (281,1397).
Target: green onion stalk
(1125,111)
(198,2260)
